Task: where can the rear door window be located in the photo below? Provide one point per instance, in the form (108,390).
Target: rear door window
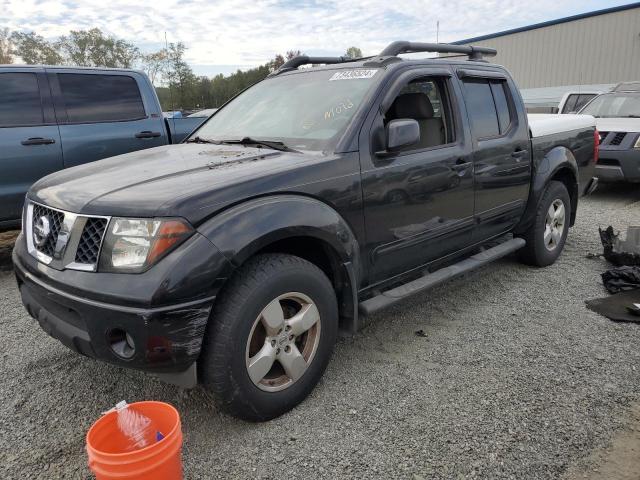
(489,107)
(481,108)
(20,103)
(100,98)
(498,89)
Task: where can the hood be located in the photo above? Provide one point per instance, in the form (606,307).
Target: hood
(187,180)
(618,124)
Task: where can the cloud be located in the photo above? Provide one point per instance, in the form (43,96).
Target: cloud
(240,32)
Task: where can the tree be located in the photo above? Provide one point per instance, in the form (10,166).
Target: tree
(181,79)
(354,52)
(34,49)
(155,64)
(276,63)
(91,48)
(5,46)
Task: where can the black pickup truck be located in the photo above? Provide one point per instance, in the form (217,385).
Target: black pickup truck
(318,195)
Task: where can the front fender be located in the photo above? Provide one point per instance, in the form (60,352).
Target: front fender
(244,229)
(249,227)
(558,162)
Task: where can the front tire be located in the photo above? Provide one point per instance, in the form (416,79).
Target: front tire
(270,337)
(547,235)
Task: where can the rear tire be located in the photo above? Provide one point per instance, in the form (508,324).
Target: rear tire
(547,235)
(270,337)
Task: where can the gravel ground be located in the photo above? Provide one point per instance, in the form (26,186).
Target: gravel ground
(514,379)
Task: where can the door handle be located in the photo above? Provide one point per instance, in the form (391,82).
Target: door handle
(38,141)
(460,165)
(148,134)
(519,154)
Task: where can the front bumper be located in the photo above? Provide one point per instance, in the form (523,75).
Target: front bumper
(619,165)
(166,338)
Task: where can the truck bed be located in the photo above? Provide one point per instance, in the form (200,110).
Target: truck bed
(541,124)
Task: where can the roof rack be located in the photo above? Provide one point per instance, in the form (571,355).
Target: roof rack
(295,62)
(392,50)
(474,53)
(627,87)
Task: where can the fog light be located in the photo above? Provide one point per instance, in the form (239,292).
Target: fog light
(121,343)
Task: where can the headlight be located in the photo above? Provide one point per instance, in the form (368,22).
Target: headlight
(134,244)
(637,145)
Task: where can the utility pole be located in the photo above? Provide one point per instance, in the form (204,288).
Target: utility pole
(437,31)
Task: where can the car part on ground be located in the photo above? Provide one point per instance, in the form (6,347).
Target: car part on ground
(617,307)
(621,252)
(622,278)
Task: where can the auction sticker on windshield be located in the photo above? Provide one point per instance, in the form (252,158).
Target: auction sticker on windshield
(352,74)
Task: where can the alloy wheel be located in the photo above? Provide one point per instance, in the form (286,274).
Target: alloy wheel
(283,342)
(554,225)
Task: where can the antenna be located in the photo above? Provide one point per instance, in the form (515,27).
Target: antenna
(166,47)
(437,31)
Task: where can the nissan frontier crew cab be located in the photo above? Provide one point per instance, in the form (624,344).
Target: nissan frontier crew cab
(319,195)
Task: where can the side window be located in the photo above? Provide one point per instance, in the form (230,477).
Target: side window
(481,109)
(498,89)
(100,98)
(488,105)
(424,100)
(20,103)
(570,104)
(583,100)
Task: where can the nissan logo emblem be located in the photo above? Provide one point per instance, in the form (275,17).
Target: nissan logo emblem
(41,230)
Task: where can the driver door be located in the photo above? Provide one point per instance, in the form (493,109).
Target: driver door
(418,202)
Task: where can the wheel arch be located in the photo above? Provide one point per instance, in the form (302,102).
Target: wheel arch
(558,164)
(295,225)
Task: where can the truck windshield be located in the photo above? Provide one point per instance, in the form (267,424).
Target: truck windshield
(305,111)
(618,105)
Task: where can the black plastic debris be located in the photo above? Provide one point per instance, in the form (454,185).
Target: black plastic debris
(620,279)
(621,252)
(420,333)
(619,307)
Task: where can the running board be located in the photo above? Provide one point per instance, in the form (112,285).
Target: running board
(390,297)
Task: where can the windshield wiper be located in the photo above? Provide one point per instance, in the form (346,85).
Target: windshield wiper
(273,144)
(632,116)
(202,140)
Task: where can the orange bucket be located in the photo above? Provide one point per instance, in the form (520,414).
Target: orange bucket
(106,446)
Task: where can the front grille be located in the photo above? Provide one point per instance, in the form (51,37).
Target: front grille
(52,218)
(62,239)
(618,138)
(89,245)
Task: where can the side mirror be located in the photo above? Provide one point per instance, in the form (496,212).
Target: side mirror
(400,133)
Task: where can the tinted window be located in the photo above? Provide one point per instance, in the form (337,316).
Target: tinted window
(583,100)
(100,98)
(481,109)
(19,100)
(570,104)
(502,105)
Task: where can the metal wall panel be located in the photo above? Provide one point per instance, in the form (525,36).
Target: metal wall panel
(594,50)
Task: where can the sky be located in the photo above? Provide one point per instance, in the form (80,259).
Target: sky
(224,35)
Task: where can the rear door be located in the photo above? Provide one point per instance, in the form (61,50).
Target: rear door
(29,138)
(104,113)
(501,156)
